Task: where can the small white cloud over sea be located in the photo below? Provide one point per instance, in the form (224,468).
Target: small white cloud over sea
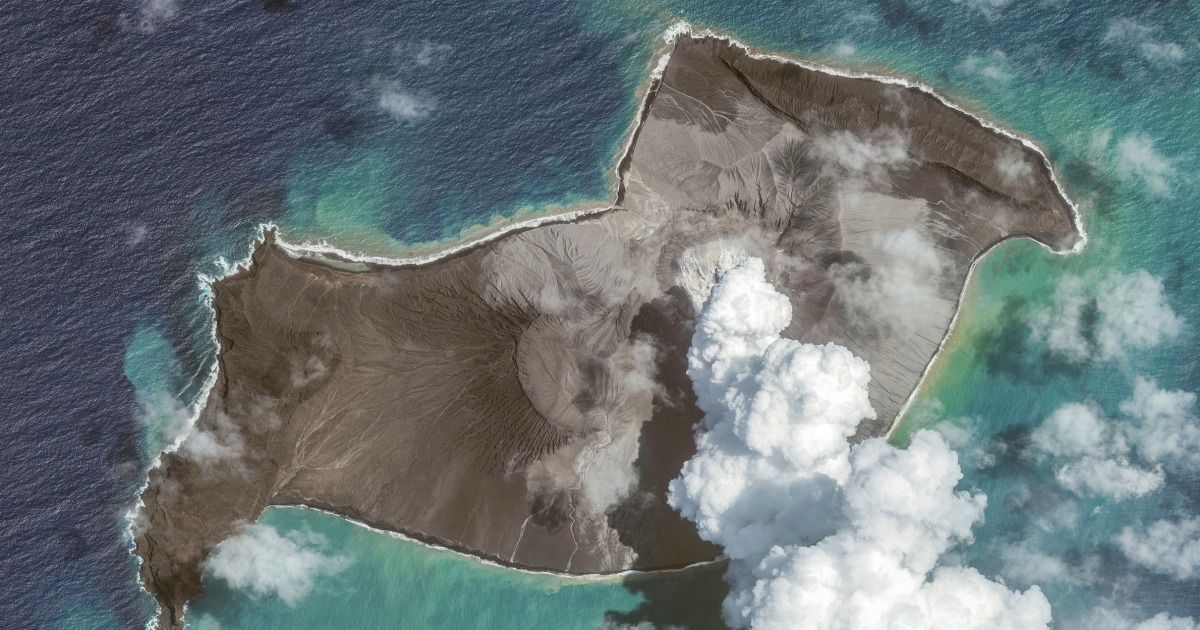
(1090,454)
(1105,319)
(844,49)
(154,12)
(263,562)
(1121,458)
(1130,32)
(992,68)
(989,8)
(406,106)
(1111,619)
(403,104)
(1134,159)
(817,532)
(1138,157)
(1024,564)
(1171,548)
(423,53)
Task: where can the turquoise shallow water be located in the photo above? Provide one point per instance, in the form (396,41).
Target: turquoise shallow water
(1057,72)
(394,583)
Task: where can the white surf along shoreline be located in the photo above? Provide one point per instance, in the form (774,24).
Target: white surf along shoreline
(333,254)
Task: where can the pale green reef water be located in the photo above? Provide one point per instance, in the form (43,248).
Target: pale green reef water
(1052,71)
(395,583)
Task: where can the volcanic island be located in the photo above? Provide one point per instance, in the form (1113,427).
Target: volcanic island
(525,399)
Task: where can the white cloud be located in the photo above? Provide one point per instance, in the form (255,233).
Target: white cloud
(1076,429)
(1169,548)
(1107,619)
(156,11)
(989,8)
(699,267)
(1129,32)
(844,49)
(815,531)
(643,369)
(992,68)
(311,370)
(1113,477)
(425,53)
(262,562)
(1134,313)
(1133,158)
(1024,564)
(1091,455)
(1061,325)
(1014,166)
(1137,158)
(220,442)
(958,434)
(867,155)
(164,417)
(1121,459)
(1168,430)
(898,291)
(403,105)
(1101,322)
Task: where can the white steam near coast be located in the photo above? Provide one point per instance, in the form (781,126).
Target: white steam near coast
(817,531)
(262,562)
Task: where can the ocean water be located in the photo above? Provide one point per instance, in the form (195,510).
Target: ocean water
(144,142)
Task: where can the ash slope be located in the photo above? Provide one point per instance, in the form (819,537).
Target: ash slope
(526,400)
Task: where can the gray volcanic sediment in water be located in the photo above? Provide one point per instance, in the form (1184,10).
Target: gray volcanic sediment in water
(525,400)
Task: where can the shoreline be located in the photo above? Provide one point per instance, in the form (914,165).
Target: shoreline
(450,246)
(672,33)
(583,578)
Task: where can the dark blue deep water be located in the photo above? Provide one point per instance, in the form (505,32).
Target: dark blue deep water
(129,149)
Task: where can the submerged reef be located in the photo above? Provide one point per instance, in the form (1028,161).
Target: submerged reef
(525,399)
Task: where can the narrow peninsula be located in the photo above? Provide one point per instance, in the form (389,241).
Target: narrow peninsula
(525,400)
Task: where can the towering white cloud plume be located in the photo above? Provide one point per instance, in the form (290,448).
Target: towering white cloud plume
(818,535)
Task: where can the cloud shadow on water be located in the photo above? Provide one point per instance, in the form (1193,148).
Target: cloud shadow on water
(684,599)
(1007,349)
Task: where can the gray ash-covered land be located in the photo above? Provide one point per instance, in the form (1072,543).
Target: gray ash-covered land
(526,400)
